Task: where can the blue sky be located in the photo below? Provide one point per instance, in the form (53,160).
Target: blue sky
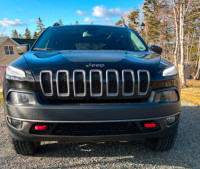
(20,14)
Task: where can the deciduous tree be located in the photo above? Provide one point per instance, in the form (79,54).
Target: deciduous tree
(60,22)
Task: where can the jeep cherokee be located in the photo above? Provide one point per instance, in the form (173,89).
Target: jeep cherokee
(83,83)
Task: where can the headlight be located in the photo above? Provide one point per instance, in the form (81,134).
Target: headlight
(166,96)
(21,98)
(12,72)
(170,71)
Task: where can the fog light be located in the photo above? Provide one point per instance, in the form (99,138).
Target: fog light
(166,96)
(15,123)
(21,98)
(171,119)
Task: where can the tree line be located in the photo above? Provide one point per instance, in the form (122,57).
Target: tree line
(175,26)
(28,35)
(172,24)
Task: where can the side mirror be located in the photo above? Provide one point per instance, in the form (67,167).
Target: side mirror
(156,49)
(23,49)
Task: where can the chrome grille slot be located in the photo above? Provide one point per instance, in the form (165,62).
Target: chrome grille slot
(113,86)
(96,83)
(46,82)
(112,82)
(128,82)
(79,83)
(143,82)
(62,83)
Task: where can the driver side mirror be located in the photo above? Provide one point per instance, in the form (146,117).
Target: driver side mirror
(23,49)
(156,49)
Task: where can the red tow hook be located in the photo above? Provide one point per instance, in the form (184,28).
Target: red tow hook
(42,127)
(150,125)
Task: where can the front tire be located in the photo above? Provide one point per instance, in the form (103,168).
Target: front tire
(161,144)
(25,147)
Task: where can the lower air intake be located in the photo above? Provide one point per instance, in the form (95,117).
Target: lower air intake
(92,129)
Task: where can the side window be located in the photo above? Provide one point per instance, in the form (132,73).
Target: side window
(137,42)
(9,50)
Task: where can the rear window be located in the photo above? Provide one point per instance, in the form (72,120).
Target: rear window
(90,38)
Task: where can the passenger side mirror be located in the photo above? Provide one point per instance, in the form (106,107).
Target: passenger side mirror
(23,49)
(156,49)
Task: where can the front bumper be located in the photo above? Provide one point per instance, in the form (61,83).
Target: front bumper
(93,113)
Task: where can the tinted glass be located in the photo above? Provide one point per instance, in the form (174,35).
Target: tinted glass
(90,38)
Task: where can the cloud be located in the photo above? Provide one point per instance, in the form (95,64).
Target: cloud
(101,11)
(81,13)
(89,20)
(10,23)
(33,20)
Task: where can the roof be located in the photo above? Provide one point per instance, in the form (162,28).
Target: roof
(24,41)
(4,38)
(91,25)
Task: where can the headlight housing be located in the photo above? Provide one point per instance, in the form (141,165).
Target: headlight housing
(171,71)
(12,73)
(166,96)
(21,98)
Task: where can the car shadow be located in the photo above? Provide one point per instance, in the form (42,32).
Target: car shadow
(185,153)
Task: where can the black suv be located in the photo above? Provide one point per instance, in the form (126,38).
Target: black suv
(91,83)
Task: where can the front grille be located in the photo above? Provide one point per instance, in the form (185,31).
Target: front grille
(62,79)
(114,86)
(92,129)
(143,82)
(96,83)
(112,82)
(46,82)
(79,83)
(128,82)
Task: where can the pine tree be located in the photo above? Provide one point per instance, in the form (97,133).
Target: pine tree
(60,22)
(152,22)
(35,35)
(27,34)
(40,26)
(15,34)
(20,36)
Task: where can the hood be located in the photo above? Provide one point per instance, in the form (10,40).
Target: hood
(71,60)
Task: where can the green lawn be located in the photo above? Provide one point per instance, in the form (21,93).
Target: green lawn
(1,97)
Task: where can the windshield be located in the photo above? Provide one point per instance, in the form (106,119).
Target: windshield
(89,38)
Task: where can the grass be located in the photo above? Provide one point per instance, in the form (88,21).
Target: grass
(1,97)
(191,93)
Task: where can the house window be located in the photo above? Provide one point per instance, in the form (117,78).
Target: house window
(9,50)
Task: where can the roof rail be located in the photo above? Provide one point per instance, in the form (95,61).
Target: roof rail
(56,24)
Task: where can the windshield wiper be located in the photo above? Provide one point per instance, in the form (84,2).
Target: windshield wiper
(42,49)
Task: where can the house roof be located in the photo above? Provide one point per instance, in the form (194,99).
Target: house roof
(17,41)
(24,41)
(4,38)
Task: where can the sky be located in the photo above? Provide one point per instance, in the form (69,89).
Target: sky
(20,14)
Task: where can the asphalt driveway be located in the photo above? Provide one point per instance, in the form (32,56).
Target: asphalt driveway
(185,154)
